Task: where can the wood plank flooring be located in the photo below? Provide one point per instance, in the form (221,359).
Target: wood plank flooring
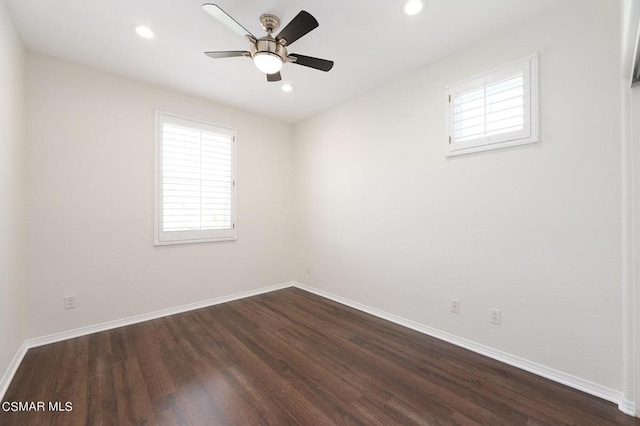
(286,357)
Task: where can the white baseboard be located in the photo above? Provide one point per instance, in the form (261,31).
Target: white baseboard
(83,331)
(591,388)
(13,367)
(627,407)
(513,360)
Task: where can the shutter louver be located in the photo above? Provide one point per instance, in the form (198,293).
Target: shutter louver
(197,180)
(492,109)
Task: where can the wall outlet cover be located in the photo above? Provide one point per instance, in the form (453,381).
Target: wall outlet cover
(496,316)
(70,302)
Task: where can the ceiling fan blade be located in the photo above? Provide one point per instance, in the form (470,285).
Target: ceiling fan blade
(302,24)
(311,62)
(227,20)
(227,54)
(274,77)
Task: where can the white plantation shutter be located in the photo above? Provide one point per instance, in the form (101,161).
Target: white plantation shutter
(494,110)
(491,110)
(195,181)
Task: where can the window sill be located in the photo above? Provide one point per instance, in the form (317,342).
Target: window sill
(489,147)
(194,241)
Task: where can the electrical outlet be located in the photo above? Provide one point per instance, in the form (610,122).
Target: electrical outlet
(455,306)
(496,317)
(308,269)
(69,302)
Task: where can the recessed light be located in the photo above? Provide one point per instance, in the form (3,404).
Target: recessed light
(287,87)
(144,32)
(413,7)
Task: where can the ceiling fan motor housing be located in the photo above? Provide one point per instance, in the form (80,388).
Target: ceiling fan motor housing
(269,45)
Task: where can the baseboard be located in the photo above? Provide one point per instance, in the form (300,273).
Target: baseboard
(13,367)
(586,386)
(83,331)
(513,360)
(627,407)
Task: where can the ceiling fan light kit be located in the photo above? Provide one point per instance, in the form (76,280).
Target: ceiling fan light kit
(270,53)
(267,62)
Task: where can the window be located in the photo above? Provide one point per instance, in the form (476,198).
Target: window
(195,181)
(494,110)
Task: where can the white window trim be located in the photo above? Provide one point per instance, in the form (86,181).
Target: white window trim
(188,237)
(529,135)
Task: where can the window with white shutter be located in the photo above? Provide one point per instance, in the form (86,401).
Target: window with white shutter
(195,181)
(494,110)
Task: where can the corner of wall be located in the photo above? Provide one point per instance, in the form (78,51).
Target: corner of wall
(12,198)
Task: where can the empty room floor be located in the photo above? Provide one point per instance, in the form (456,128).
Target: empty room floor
(285,357)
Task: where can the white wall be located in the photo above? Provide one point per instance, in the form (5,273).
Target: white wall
(635,159)
(12,187)
(384,219)
(90,201)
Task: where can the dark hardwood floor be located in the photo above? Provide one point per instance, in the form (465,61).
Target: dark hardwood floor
(286,357)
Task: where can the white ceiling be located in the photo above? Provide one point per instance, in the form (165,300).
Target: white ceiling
(371,42)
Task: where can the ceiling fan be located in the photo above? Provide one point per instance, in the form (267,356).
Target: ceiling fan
(269,53)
